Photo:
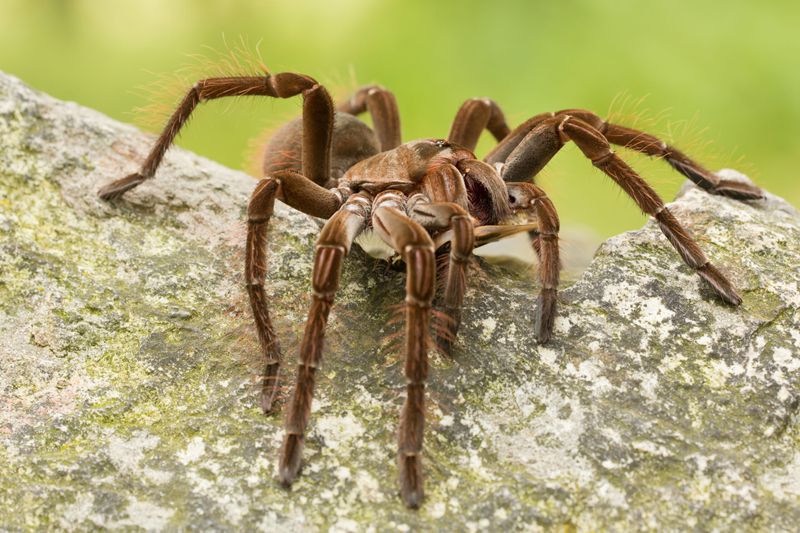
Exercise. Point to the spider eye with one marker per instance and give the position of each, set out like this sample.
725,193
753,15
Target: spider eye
441,143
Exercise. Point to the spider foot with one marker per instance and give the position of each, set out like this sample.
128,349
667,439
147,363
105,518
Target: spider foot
444,345
269,388
545,315
411,480
291,454
720,284
738,190
268,400
117,188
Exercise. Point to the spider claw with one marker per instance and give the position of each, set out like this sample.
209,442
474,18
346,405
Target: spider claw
117,188
545,315
720,284
268,401
291,454
738,190
445,346
413,499
269,388
411,480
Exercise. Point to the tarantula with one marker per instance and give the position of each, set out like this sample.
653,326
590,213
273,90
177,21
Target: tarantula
420,197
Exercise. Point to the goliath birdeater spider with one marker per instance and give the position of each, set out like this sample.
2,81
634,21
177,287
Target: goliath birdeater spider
420,197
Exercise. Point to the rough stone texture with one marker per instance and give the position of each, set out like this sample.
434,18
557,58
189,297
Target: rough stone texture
127,381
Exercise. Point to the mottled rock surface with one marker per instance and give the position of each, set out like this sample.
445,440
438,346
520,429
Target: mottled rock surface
127,377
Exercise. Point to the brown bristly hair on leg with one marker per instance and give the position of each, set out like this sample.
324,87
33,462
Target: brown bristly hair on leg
162,95
688,134
632,112
441,328
442,268
442,323
395,334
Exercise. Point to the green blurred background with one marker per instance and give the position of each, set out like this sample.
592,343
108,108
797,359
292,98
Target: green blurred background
719,79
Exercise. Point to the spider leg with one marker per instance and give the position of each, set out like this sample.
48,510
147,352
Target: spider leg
530,153
629,138
382,107
706,180
302,194
500,153
546,139
654,147
475,115
416,247
317,122
444,216
333,244
527,196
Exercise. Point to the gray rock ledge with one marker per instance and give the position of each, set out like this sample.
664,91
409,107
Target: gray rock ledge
127,368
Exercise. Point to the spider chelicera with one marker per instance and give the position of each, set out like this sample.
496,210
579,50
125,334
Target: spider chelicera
421,198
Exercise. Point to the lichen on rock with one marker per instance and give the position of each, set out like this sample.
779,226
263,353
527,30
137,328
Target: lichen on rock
128,364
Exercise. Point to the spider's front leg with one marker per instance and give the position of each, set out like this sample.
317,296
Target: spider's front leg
317,122
417,250
332,246
533,134
547,138
306,196
654,147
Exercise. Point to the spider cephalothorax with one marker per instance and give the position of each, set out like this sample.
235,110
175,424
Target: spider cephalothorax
418,197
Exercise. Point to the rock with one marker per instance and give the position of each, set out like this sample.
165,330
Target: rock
128,383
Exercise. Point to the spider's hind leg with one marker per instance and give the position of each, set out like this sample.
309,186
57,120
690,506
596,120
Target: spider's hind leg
475,115
382,107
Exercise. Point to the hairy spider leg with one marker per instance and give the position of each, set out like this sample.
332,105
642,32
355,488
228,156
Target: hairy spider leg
304,195
382,107
629,138
706,180
529,197
521,164
317,122
416,248
332,246
501,151
475,115
547,138
472,118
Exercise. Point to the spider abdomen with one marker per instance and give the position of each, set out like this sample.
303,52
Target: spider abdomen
352,141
